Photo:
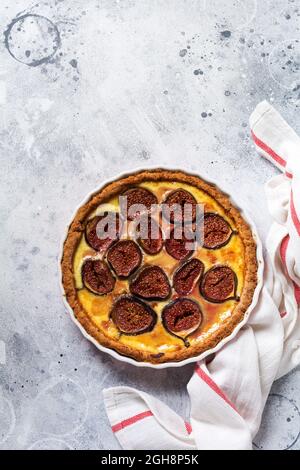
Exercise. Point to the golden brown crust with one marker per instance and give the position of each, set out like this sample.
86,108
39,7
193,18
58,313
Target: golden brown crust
77,228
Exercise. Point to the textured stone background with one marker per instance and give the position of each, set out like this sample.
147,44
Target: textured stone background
90,89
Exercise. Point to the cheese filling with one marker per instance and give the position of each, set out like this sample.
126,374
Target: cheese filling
159,340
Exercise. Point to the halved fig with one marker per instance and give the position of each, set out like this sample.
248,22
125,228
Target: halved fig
132,316
219,284
125,257
151,282
182,317
153,243
217,232
185,277
97,277
179,247
102,230
141,196
184,206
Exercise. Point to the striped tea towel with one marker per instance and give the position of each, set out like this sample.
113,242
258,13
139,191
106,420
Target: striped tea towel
228,394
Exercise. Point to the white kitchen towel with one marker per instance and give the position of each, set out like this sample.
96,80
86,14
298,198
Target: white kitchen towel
228,393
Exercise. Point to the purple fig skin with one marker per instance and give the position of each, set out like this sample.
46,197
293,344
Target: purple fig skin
125,257
97,277
132,316
186,275
151,283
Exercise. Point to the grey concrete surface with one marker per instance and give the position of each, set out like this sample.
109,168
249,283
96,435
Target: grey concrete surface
89,89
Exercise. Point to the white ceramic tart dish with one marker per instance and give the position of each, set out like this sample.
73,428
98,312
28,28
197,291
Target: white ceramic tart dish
161,302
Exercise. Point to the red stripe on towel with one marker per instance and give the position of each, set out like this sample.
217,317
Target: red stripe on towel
283,250
268,150
297,293
188,427
294,214
208,380
134,419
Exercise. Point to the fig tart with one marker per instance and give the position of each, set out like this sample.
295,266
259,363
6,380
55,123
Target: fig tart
160,296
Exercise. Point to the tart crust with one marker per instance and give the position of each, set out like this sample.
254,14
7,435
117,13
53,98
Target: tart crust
76,230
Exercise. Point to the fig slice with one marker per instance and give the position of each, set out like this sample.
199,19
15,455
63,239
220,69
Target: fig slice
219,284
97,277
132,316
152,283
185,277
97,228
181,318
141,196
182,200
124,257
217,232
178,247
154,241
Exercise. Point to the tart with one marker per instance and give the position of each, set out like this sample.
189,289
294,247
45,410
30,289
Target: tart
160,299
